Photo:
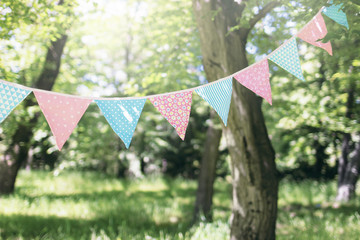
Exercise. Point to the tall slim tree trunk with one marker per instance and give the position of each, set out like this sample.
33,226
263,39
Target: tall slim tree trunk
348,174
17,152
349,161
207,174
255,183
320,158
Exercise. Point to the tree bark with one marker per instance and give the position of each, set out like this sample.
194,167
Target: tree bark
349,161
17,152
207,174
348,175
255,183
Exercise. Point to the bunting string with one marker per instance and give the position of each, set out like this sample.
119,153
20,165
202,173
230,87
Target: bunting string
63,111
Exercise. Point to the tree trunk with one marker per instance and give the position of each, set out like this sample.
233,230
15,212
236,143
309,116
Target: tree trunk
255,183
207,174
348,173
8,172
320,159
349,161
14,156
17,152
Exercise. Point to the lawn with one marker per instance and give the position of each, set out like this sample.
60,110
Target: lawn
88,205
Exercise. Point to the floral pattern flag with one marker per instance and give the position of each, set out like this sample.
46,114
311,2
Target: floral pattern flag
257,79
315,30
62,112
175,107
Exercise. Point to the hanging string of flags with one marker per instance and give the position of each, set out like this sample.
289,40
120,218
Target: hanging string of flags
63,112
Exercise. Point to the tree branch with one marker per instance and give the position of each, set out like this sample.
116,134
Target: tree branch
242,7
262,13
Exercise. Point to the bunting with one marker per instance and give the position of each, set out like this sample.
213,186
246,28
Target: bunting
10,97
218,95
335,13
175,107
62,113
287,57
315,30
257,79
122,115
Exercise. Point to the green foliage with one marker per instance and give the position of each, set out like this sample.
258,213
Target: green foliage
308,119
26,29
94,206
139,57
115,54
42,18
149,47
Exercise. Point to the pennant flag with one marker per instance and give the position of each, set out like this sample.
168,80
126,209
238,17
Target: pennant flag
122,115
10,97
175,107
257,79
335,13
287,57
315,30
62,113
218,95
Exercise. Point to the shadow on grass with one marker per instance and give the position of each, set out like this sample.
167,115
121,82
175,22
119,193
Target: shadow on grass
117,213
133,212
39,226
343,210
314,222
54,227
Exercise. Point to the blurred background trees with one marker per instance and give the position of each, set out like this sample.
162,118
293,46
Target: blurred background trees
142,47
316,125
18,148
137,48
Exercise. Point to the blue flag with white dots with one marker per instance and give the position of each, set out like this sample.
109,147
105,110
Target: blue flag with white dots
335,13
287,57
218,95
122,115
10,97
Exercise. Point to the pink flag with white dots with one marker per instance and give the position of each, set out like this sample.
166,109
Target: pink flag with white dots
175,107
315,30
62,113
257,79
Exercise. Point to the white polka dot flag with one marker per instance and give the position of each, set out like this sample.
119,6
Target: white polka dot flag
122,115
287,57
314,31
175,107
10,97
62,113
257,79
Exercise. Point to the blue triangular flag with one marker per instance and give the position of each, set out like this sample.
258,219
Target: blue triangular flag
10,101
122,115
335,13
218,95
287,57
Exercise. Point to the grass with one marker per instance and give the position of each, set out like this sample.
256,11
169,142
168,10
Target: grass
94,206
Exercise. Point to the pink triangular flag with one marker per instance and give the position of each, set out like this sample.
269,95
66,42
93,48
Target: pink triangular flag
315,30
175,107
257,79
62,113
